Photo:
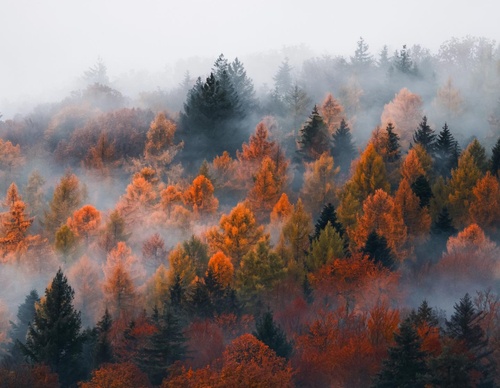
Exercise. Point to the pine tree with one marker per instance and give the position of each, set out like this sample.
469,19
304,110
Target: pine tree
403,63
362,57
326,248
343,150
103,351
392,147
495,158
243,86
406,366
273,335
424,314
164,347
425,136
422,190
377,250
177,295
313,136
446,152
328,214
54,336
478,153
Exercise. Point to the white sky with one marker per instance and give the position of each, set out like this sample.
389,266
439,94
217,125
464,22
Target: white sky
47,44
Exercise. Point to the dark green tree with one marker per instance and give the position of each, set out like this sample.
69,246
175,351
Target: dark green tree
243,86
392,152
377,250
54,337
495,159
103,350
313,139
328,214
422,190
164,347
465,328
198,251
425,136
406,365
200,302
362,58
424,314
343,150
446,152
478,153
443,226
273,335
177,294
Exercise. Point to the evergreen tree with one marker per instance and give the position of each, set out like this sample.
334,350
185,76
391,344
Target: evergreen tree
164,347
328,214
200,302
54,336
243,86
377,250
406,365
177,294
298,103
464,326
362,58
392,147
422,190
313,136
495,159
272,335
103,351
478,153
424,314
403,63
441,230
446,152
425,136
343,150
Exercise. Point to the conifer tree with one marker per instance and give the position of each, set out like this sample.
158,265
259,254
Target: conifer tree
103,351
377,250
327,247
441,230
313,139
392,152
328,214
270,333
343,150
495,159
422,190
478,153
406,366
425,136
54,336
446,152
243,86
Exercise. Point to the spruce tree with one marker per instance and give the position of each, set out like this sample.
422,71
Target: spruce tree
377,250
328,214
243,86
424,314
422,190
103,351
443,226
54,336
164,347
313,136
200,302
392,146
272,335
495,159
425,136
406,365
343,150
177,294
446,152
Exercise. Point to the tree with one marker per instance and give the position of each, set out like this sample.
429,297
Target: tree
495,159
200,195
271,334
392,148
283,80
282,209
328,215
84,222
422,190
54,336
446,152
485,207
267,187
406,365
298,103
377,250
343,150
425,136
296,231
243,86
319,185
333,113
114,232
403,63
68,196
328,246
362,58
222,269
66,243
479,155
313,139
449,100
154,252
238,233
15,226
415,217
97,74
34,195
164,347
124,374
412,168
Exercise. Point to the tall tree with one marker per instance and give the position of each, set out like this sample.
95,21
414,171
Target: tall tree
425,136
313,139
243,86
270,333
328,214
332,112
377,250
54,336
362,58
446,152
495,158
343,150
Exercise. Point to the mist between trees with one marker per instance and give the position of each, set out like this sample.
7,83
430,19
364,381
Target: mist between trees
313,231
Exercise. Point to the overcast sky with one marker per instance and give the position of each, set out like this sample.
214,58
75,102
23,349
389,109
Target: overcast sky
47,44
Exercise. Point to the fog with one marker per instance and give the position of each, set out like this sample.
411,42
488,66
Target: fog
46,46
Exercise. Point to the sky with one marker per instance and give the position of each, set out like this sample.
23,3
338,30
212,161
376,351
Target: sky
46,45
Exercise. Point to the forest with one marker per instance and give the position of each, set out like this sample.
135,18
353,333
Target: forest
336,228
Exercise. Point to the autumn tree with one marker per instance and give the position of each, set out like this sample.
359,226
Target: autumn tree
125,374
485,207
319,186
282,209
415,217
160,148
10,159
200,195
237,234
314,139
85,222
113,232
54,336
343,149
333,113
34,196
412,168
266,189
154,252
462,182
478,153
449,100
222,268
495,159
68,196
296,231
405,112
15,226
328,245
